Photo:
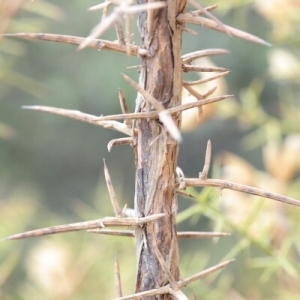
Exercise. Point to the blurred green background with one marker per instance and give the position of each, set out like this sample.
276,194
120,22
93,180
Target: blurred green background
51,168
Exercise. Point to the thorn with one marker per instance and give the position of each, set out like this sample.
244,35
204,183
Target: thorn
196,235
200,11
80,116
105,10
224,184
117,277
203,174
210,92
118,142
164,115
120,34
193,92
99,29
183,194
198,96
211,16
100,6
197,68
189,105
177,295
134,67
188,30
204,80
204,273
124,108
180,235
107,221
188,58
158,106
189,18
180,178
164,266
128,28
154,114
112,194
125,233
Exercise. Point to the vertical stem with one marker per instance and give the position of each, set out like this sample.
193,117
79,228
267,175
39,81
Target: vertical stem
155,151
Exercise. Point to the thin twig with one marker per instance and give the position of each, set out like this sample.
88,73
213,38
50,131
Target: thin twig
190,18
108,221
112,194
224,184
117,277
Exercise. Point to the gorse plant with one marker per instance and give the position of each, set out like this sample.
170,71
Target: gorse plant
153,130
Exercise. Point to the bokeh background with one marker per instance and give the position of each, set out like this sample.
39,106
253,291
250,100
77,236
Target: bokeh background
51,168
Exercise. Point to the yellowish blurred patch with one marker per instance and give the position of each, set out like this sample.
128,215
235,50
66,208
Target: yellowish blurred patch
283,14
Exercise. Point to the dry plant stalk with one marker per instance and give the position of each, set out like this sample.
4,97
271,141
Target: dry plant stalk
154,132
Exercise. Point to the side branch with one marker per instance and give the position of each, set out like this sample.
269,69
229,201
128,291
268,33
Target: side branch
80,116
180,235
108,121
224,184
100,223
98,44
190,18
168,290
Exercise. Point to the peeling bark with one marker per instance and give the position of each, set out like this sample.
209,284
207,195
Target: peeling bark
155,151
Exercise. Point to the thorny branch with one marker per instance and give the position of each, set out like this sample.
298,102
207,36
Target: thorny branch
177,19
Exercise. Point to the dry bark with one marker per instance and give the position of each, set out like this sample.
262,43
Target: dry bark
155,150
